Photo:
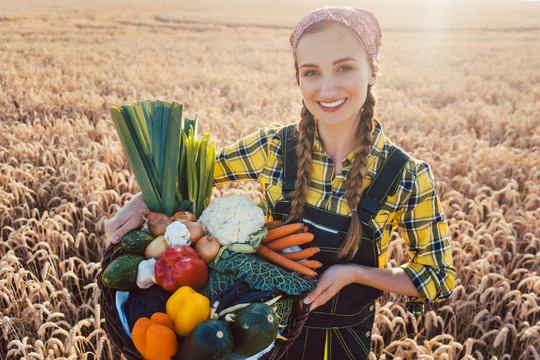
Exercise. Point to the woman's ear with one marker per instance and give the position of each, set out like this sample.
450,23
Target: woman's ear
372,73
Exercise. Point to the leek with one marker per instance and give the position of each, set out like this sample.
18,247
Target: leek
173,168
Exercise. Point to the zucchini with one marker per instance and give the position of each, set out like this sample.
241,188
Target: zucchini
210,340
254,328
122,272
136,242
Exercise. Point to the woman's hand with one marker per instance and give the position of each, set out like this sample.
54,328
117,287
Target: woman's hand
127,219
331,281
338,276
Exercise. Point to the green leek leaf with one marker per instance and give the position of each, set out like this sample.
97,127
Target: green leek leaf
174,169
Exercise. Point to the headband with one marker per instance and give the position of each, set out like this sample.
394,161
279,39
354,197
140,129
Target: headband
361,21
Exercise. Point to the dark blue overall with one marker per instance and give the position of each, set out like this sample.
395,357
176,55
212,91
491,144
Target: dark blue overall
343,325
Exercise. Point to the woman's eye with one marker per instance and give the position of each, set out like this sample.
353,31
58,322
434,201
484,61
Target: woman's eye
344,68
310,73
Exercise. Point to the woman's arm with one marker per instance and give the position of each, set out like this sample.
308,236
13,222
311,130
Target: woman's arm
424,229
429,275
248,158
338,276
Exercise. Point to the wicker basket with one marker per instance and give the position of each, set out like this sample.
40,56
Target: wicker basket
120,338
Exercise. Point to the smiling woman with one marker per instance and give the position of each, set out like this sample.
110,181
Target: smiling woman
334,73
337,172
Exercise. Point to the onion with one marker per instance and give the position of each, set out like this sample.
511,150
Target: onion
183,215
207,247
157,222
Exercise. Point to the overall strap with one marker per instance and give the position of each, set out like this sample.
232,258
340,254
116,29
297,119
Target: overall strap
385,183
374,197
289,143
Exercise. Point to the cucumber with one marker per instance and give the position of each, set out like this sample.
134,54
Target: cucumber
210,340
136,242
254,328
122,272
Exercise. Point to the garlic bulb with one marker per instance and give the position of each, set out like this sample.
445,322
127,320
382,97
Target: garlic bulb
177,234
146,274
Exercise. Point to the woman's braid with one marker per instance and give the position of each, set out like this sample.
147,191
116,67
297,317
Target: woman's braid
353,184
306,129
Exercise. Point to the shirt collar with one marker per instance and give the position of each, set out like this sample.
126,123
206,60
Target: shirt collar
317,145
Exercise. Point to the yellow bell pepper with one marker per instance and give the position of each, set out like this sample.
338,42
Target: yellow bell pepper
187,309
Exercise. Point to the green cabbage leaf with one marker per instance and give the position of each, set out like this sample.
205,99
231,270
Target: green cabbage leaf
261,275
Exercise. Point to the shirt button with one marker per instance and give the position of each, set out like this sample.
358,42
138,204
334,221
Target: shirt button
367,334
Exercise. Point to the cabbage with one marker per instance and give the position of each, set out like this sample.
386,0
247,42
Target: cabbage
260,275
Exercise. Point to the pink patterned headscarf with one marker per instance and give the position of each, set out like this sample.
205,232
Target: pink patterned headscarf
361,21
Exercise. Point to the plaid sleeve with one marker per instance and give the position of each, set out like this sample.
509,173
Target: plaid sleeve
247,158
422,222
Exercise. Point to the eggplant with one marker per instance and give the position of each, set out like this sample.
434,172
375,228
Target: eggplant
145,302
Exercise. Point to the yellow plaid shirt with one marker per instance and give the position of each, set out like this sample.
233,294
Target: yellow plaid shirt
414,207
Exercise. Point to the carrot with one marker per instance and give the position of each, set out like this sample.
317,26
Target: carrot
281,261
302,254
290,240
272,223
282,231
302,229
312,264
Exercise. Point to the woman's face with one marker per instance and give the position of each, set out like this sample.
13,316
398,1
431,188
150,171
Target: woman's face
334,73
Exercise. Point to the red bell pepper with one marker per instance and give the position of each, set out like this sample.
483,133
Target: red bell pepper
180,266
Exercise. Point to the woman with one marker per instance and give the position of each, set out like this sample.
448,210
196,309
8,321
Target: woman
336,172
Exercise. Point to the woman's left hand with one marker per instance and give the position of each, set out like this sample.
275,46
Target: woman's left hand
331,281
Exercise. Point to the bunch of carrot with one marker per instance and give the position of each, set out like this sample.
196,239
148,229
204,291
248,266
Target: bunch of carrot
280,237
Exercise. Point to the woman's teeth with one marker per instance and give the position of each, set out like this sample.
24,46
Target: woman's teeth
332,104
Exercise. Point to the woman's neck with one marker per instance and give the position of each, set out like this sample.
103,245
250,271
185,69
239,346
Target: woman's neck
337,142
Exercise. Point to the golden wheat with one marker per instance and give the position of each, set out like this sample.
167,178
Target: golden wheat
462,95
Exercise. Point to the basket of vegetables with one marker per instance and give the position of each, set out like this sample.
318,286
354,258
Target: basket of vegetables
201,280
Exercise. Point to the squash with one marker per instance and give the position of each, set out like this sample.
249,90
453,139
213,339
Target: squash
210,340
122,272
136,242
254,328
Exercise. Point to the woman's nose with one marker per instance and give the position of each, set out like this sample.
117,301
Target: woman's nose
328,87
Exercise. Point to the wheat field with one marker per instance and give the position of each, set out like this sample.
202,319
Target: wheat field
459,89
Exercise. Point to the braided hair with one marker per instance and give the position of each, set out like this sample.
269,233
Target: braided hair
306,130
353,183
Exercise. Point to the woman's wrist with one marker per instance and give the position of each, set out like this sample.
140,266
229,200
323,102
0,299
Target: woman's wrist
138,200
357,273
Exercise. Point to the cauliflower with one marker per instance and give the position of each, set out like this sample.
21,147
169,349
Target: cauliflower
232,220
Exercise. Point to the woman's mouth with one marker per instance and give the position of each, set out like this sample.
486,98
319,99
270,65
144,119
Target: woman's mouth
332,106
